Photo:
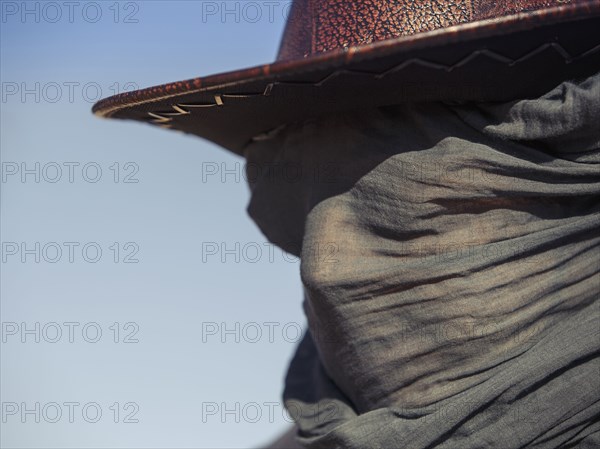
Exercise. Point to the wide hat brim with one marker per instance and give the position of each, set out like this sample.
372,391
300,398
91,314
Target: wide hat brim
517,56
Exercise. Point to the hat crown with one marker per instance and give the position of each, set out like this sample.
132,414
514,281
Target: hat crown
318,26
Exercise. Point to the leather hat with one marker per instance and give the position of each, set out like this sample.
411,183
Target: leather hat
338,55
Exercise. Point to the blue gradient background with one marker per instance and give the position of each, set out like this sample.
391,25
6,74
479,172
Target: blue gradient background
168,213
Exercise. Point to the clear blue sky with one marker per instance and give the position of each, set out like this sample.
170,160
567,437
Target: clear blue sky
184,386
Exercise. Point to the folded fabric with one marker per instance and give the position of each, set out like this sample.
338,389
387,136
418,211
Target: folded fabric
450,259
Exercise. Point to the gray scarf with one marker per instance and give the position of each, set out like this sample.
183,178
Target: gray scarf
449,254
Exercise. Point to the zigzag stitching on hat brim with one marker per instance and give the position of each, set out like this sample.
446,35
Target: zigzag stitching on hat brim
164,118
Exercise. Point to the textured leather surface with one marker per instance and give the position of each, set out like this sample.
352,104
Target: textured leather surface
317,26
487,9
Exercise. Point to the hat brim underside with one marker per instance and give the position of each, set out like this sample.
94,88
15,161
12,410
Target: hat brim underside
517,56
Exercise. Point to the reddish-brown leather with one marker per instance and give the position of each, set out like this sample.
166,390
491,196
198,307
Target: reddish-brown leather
317,26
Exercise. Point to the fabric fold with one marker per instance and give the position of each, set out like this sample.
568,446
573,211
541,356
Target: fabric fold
450,261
